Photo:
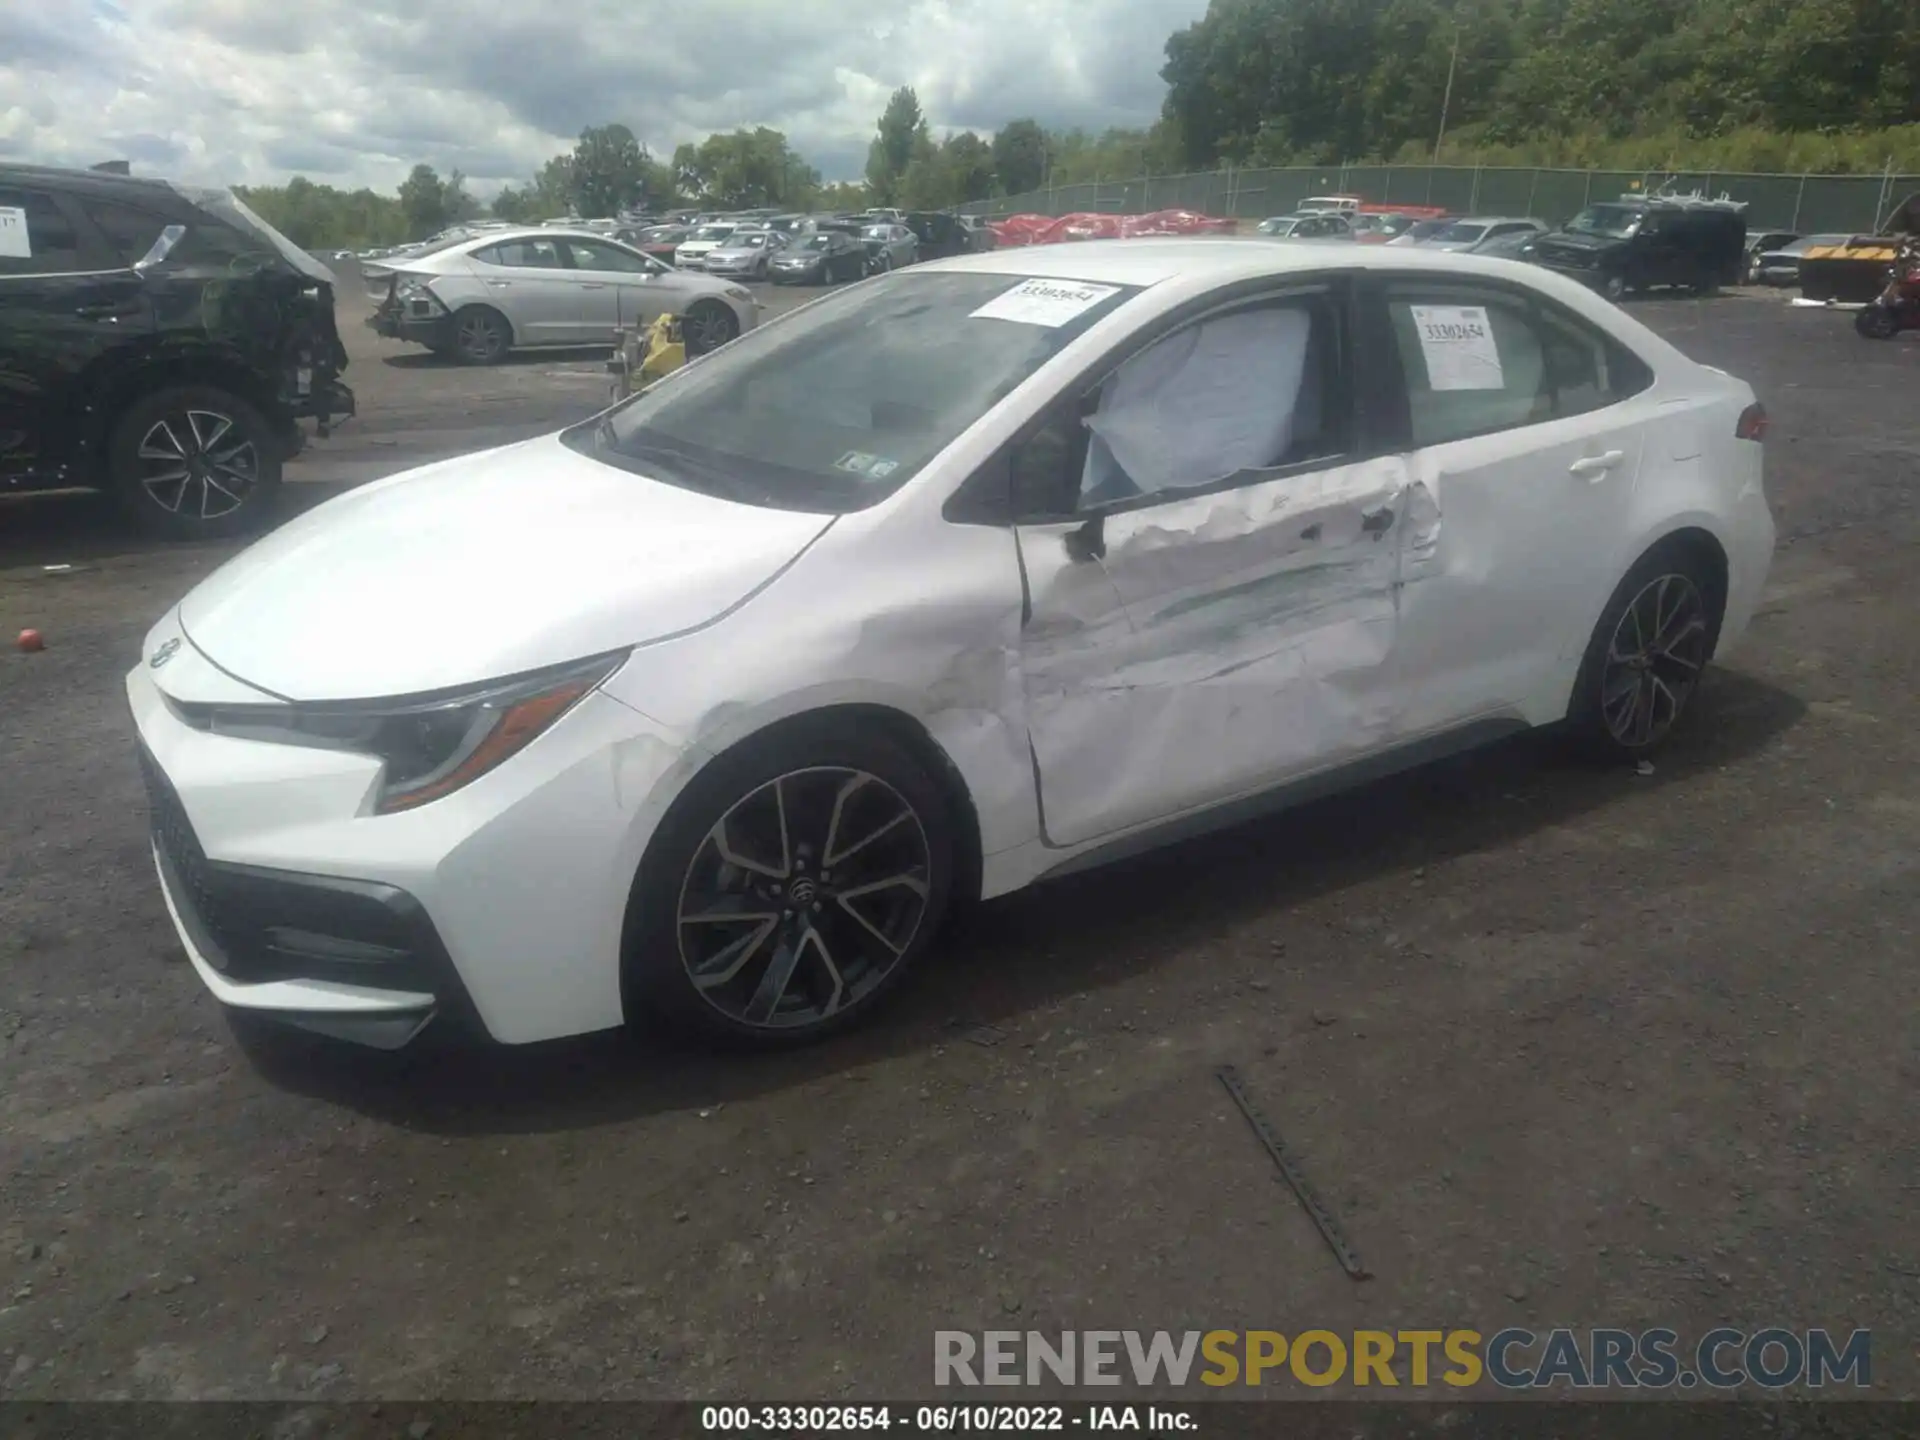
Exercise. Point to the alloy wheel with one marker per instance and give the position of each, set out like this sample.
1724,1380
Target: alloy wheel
712,326
803,898
478,337
198,462
1654,660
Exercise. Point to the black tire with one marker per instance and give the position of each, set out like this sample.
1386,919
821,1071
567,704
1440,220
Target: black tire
481,335
1615,288
1705,286
707,326
1656,636
1876,322
228,476
842,963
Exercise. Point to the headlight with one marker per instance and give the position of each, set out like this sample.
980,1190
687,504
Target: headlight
429,746
739,292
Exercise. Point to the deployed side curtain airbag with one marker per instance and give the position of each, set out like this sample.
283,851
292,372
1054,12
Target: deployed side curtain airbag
1210,401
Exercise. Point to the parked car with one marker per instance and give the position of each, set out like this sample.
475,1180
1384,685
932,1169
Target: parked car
1640,243
691,253
1378,229
1325,225
1516,245
725,696
1470,235
939,233
890,246
159,342
1421,232
479,300
980,236
819,259
1764,242
1780,264
745,253
1329,205
662,241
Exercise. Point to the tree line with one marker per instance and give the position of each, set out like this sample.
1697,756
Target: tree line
1829,86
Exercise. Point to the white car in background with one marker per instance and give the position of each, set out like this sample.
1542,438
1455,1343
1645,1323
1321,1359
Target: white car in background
691,253
982,571
480,298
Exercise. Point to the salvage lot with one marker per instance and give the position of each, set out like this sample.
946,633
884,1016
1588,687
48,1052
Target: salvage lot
1561,1047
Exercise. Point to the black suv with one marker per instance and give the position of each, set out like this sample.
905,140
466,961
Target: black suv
1643,243
940,234
159,342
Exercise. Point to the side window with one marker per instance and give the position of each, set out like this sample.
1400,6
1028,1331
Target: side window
1241,392
1479,363
129,231
531,254
37,238
1473,363
589,256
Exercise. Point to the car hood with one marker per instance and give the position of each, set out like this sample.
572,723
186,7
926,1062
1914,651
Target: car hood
1573,240
480,567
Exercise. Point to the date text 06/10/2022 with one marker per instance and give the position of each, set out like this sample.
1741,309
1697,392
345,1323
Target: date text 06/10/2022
944,1419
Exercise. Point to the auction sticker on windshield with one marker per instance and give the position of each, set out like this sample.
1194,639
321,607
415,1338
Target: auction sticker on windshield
1044,302
14,243
1457,341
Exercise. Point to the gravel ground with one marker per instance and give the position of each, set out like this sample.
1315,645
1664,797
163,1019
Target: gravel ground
1561,1047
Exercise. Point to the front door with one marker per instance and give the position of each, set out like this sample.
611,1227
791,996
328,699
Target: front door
1524,447
615,281
65,300
1216,613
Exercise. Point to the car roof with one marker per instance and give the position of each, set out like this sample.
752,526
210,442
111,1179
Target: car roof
100,182
1215,260
1493,220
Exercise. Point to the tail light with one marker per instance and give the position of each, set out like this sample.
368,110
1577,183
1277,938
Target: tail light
1753,423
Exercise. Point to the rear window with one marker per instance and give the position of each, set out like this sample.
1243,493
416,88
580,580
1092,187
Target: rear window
36,237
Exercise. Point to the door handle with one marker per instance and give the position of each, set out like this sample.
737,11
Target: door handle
1593,467
499,284
104,311
593,284
1377,522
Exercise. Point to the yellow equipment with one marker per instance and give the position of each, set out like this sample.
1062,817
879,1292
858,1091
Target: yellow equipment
645,355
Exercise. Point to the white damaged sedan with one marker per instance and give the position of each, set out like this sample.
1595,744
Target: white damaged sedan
969,575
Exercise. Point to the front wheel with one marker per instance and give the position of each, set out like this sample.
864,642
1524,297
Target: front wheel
1615,288
790,888
708,326
1646,656
194,463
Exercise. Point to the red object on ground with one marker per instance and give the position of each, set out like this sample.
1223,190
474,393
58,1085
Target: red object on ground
1088,225
31,642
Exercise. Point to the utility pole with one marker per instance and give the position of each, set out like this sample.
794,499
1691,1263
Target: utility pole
1446,101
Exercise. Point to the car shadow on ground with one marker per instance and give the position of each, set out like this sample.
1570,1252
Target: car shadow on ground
428,360
1061,938
84,527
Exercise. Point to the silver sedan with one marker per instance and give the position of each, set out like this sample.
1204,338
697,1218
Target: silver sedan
889,246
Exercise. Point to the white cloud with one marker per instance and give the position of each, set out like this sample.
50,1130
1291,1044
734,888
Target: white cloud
252,91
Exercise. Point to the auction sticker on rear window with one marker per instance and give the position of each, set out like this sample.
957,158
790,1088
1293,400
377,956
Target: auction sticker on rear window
1457,341
14,244
1044,302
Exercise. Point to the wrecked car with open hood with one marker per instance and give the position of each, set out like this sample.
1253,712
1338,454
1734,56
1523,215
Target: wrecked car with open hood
983,571
161,342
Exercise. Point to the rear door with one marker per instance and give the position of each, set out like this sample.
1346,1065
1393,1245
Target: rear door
67,300
530,281
1212,602
622,278
1523,430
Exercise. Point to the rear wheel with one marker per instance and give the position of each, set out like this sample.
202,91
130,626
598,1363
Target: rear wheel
1615,288
194,463
1876,322
791,887
1647,654
481,336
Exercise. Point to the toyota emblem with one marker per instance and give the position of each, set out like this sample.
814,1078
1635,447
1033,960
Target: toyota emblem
164,653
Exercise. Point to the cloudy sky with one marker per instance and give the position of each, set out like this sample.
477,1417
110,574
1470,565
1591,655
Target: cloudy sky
354,92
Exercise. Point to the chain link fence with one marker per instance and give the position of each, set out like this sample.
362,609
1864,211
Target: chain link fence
1807,204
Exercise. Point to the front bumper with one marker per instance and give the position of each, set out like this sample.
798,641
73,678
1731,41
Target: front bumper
498,909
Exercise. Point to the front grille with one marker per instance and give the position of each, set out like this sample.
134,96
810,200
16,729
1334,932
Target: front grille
173,833
1565,256
256,925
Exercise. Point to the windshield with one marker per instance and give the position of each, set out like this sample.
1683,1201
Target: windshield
879,232
814,242
1279,227
1609,222
1460,234
747,242
835,406
713,232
